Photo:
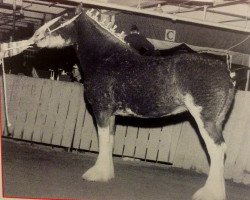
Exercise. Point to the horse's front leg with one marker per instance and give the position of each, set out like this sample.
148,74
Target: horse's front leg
103,170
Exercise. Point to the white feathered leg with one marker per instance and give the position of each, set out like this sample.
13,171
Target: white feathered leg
214,188
103,170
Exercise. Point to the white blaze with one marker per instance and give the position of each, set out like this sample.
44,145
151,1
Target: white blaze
54,42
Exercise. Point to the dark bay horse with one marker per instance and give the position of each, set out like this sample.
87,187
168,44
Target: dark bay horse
119,81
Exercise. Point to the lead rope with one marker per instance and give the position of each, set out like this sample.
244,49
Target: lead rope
5,81
5,95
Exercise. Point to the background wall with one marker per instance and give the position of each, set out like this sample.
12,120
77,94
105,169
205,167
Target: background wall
201,37
55,113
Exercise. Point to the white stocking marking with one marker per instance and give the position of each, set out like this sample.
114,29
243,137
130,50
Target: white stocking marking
214,189
103,170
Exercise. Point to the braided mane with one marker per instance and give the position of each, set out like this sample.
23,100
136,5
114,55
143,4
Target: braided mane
94,15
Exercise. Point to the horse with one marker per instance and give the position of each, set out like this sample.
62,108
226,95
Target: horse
120,81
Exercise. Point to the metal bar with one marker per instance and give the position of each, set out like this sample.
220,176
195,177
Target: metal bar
150,4
178,10
8,27
66,2
157,14
18,8
54,4
209,9
12,20
228,14
25,18
41,12
230,3
10,23
18,24
232,20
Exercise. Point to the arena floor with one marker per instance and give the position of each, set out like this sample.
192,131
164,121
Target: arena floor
42,172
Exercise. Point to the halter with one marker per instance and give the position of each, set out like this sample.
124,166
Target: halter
47,26
63,24
26,44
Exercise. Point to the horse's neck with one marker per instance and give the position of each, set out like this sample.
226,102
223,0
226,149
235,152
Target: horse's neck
95,44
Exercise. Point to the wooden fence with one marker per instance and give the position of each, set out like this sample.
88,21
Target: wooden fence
54,112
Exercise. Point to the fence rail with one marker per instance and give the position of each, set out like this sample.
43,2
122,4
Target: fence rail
55,113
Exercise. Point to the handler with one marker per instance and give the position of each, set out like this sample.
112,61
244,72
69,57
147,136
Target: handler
139,42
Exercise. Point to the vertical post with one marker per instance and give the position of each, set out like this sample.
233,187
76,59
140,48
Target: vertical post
247,83
248,74
14,20
5,95
205,12
248,8
139,4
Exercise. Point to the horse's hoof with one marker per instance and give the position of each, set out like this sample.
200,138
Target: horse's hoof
97,173
205,193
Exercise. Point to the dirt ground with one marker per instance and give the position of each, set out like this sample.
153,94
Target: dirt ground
44,172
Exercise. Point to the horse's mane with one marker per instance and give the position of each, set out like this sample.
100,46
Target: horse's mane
106,28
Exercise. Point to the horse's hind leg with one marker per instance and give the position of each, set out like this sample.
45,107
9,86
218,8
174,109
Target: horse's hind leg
103,170
210,129
214,188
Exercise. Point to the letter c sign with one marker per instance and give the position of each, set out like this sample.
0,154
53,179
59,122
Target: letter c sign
170,35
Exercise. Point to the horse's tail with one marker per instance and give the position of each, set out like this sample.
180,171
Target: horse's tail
225,109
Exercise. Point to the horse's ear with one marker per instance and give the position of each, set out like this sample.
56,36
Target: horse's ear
79,9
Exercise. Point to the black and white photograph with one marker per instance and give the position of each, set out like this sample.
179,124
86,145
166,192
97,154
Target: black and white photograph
125,100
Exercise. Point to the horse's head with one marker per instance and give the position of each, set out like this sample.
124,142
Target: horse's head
59,32
93,32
